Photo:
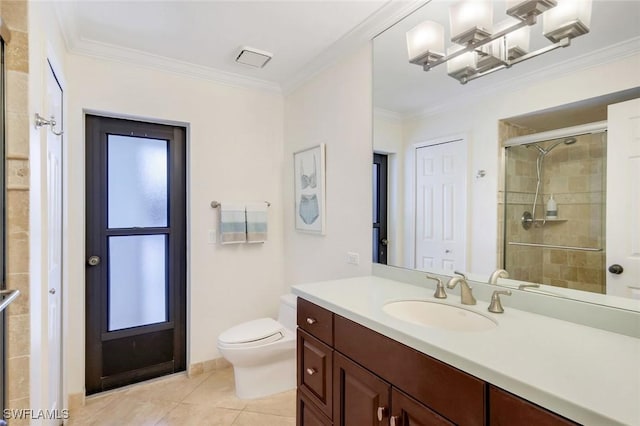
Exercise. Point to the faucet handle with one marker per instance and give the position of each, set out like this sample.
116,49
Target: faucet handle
496,305
461,274
440,293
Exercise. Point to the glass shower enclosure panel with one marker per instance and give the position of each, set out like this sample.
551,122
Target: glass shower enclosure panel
568,249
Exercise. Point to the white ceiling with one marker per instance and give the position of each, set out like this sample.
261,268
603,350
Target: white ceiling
405,89
205,36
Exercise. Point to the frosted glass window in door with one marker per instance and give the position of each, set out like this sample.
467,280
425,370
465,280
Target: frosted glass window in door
137,182
137,281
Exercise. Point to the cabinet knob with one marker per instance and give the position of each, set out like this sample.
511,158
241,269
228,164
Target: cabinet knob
311,321
382,413
394,421
311,371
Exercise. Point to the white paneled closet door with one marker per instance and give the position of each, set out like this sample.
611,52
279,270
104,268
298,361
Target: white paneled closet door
441,194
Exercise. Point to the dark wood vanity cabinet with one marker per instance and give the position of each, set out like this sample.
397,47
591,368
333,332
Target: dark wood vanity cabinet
350,375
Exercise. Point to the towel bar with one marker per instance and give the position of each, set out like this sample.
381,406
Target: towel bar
216,204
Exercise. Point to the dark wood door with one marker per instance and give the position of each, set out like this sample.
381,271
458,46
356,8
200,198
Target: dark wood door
380,189
360,397
406,411
507,409
136,251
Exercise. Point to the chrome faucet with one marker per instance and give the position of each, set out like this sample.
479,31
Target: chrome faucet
498,273
466,296
440,293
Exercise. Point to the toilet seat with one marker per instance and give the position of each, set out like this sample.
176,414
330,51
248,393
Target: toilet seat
252,333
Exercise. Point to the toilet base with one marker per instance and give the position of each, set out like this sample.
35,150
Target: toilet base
264,380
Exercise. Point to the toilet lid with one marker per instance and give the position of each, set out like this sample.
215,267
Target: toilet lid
251,331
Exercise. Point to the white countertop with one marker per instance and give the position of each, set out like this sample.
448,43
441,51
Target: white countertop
586,374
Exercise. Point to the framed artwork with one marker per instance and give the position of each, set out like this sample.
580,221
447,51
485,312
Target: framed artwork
308,172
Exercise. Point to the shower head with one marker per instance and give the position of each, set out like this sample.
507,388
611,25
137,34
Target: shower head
543,151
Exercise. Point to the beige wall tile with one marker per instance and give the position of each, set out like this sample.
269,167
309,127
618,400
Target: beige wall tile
17,52
18,173
19,404
17,130
17,212
19,335
15,15
21,304
18,378
18,253
16,96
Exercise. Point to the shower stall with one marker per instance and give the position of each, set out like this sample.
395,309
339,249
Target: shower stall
566,247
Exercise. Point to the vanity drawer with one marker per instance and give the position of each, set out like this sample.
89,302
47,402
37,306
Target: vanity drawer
308,415
315,320
507,409
448,391
315,371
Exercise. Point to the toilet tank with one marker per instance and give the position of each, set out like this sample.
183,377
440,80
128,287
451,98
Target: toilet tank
287,312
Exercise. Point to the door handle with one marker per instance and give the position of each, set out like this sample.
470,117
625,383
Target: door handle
616,269
52,291
93,260
384,241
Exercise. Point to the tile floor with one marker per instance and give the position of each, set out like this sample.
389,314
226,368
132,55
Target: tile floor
207,399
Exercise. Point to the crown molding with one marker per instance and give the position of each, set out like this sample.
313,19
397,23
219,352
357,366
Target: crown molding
386,16
91,48
388,114
598,57
106,51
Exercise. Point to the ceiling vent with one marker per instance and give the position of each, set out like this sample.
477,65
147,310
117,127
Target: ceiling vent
253,57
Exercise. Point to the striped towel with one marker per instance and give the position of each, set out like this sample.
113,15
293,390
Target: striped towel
257,222
233,223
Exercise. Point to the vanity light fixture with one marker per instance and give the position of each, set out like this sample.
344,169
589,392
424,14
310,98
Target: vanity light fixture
253,57
481,48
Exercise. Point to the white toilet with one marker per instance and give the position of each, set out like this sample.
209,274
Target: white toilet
263,352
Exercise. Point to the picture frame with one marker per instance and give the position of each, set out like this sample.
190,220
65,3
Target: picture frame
310,189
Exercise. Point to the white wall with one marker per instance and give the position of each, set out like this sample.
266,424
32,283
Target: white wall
45,42
332,108
235,152
478,122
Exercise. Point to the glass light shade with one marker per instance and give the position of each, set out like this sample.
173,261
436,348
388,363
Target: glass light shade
517,41
491,55
470,20
425,42
570,18
463,66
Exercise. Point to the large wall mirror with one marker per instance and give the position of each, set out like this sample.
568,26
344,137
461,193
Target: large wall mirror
494,160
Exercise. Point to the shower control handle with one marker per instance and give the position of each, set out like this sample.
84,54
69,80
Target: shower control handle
616,269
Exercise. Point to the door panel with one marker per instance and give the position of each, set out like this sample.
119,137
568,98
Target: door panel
623,198
441,206
360,398
380,208
136,232
54,243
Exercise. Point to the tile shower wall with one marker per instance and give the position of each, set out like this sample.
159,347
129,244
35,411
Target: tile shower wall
575,175
14,14
523,263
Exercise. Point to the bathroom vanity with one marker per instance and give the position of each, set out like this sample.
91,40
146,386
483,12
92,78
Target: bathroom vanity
358,365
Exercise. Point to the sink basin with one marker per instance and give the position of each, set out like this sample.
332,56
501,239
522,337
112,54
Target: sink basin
439,315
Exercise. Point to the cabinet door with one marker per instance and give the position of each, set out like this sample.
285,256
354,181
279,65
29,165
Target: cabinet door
506,409
308,414
360,398
315,371
406,411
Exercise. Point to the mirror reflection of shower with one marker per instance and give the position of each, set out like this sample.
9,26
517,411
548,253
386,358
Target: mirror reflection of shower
566,248
529,217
